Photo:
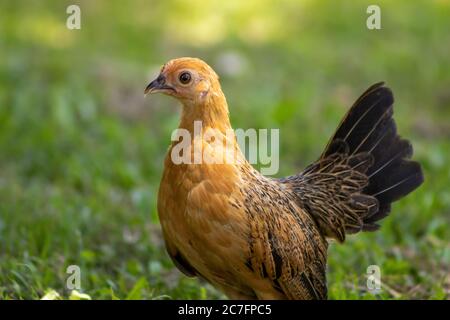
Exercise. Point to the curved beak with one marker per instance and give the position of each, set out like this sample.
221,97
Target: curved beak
158,85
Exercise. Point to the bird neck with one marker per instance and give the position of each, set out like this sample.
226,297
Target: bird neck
212,111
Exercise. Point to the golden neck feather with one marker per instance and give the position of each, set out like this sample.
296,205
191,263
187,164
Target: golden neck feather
212,111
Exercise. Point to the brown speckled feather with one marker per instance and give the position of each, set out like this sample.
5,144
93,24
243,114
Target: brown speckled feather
364,168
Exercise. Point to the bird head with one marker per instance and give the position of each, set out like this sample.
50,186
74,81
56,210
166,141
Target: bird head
189,80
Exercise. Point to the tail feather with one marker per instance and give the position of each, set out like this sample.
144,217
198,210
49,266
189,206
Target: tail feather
364,168
369,128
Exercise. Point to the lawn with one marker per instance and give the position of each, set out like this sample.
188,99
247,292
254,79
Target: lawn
81,150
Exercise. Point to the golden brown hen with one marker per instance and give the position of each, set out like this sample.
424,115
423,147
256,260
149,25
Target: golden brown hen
256,237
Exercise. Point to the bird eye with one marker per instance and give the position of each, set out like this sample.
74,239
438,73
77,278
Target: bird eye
185,77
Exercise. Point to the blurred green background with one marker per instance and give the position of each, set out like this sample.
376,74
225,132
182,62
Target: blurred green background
81,150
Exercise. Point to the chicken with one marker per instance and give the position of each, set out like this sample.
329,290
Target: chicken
257,237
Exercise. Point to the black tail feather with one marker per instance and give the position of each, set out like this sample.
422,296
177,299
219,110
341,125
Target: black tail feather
369,128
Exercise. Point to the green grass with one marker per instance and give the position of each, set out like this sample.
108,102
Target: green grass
81,150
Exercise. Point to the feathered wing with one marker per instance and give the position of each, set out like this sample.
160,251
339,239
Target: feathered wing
364,168
285,246
287,252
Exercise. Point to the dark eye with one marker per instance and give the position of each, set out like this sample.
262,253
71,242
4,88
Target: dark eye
185,77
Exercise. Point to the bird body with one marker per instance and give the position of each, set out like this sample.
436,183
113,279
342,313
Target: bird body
256,237
218,226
